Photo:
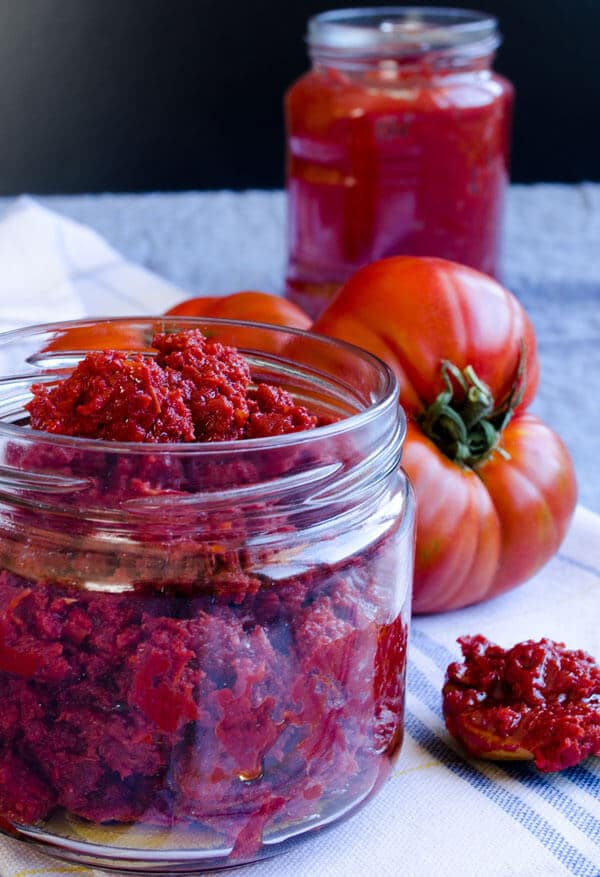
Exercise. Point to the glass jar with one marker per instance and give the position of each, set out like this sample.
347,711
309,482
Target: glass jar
202,646
397,144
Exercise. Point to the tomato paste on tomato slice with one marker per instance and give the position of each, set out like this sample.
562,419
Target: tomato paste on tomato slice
537,700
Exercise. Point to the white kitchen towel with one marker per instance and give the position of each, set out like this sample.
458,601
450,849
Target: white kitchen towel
53,268
440,813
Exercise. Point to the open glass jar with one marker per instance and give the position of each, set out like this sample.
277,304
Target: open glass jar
202,646
397,144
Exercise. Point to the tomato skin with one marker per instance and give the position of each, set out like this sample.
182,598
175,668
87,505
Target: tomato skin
414,312
98,335
249,305
458,530
193,307
534,493
485,529
481,532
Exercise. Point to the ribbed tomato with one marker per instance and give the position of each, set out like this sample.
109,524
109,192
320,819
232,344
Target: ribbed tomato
495,486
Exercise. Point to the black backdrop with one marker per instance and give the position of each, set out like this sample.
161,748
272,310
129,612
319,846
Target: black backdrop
133,95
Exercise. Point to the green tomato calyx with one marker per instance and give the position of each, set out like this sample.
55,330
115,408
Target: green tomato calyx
464,421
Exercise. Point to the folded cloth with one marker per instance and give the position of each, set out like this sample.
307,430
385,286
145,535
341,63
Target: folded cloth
56,269
440,813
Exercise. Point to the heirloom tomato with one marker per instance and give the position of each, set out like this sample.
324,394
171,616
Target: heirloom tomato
495,486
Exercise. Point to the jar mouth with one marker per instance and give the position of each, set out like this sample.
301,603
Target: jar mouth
399,31
48,365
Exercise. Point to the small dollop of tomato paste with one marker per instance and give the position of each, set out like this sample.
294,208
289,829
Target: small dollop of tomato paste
195,389
537,700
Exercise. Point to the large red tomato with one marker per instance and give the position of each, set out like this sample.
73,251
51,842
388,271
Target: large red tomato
495,486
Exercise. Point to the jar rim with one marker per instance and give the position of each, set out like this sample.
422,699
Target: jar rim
402,30
387,396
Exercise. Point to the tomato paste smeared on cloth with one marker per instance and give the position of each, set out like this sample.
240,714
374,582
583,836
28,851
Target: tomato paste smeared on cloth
537,700
230,700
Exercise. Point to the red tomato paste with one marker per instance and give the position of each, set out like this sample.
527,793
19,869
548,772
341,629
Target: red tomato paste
405,159
195,390
536,700
231,699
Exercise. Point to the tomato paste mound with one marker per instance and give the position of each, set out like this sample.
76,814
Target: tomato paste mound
184,676
194,390
536,700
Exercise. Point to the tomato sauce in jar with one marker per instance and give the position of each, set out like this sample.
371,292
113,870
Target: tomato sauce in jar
398,141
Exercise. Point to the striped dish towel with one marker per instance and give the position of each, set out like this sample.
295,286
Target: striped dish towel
440,813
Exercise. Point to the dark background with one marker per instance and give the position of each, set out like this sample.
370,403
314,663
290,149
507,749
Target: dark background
134,95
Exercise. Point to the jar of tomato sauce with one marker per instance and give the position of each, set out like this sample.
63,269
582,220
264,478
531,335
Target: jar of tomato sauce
397,143
202,643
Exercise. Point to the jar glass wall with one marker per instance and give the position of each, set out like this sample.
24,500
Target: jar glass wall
202,646
397,144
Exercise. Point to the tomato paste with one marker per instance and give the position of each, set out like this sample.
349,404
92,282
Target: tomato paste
537,700
240,697
404,152
194,390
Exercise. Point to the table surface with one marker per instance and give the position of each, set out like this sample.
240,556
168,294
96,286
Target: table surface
218,242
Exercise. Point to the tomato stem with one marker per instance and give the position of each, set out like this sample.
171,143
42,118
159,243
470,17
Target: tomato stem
464,421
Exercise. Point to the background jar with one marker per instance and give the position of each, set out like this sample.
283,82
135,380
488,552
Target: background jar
203,646
397,143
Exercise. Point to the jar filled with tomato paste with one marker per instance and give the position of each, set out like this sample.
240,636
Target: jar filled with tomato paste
202,643
397,144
